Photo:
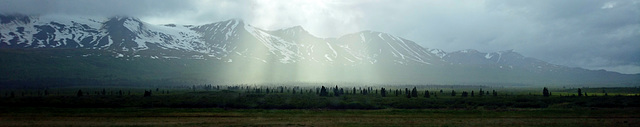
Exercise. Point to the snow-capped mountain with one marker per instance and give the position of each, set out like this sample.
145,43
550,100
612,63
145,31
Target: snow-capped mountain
116,33
224,40
507,59
293,49
233,39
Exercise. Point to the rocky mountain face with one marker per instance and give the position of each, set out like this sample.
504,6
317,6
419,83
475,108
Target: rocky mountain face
221,40
234,41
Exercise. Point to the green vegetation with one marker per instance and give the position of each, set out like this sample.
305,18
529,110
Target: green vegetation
244,105
99,91
260,117
284,97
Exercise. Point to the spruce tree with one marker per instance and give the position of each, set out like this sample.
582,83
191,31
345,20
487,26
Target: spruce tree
426,94
579,92
545,92
336,92
79,94
147,93
323,91
406,90
414,92
354,90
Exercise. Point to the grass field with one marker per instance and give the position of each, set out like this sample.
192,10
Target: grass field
106,106
258,98
307,117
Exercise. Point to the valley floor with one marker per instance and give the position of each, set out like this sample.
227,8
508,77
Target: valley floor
14,116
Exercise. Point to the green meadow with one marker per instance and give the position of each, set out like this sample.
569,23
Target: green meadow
206,105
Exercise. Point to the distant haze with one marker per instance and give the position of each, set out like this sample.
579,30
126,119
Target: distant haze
592,34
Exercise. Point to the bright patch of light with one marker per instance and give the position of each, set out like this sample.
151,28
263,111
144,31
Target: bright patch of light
324,18
608,5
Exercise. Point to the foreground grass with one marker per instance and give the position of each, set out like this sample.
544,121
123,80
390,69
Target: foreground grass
41,116
182,107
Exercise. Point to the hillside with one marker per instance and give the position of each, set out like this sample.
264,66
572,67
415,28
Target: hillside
63,50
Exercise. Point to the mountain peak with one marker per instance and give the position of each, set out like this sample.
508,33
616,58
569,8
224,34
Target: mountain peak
234,20
375,34
506,51
293,31
469,51
380,35
297,28
370,32
18,18
130,23
511,53
124,18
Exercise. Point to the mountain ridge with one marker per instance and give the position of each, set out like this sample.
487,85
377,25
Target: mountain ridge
234,41
215,36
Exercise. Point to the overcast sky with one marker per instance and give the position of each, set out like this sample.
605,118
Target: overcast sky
592,34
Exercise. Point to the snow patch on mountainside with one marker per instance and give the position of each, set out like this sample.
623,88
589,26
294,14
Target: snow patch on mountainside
488,56
438,52
179,37
274,44
221,40
50,28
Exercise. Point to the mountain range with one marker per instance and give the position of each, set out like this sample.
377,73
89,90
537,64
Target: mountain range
126,50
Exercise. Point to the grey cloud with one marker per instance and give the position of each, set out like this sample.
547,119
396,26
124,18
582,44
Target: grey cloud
579,33
571,33
96,7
